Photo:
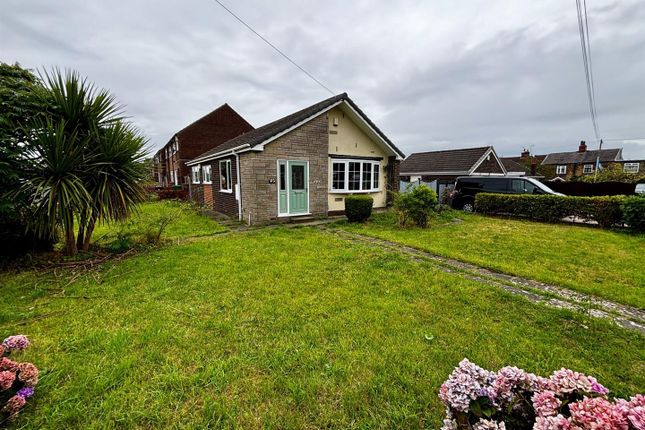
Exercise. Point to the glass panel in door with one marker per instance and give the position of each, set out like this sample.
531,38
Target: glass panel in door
283,207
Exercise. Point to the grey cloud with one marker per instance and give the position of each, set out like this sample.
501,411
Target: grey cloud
431,74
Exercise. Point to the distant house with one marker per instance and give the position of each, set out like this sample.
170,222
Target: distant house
583,162
206,133
301,165
441,168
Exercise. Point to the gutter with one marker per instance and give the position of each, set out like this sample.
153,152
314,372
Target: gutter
217,155
239,185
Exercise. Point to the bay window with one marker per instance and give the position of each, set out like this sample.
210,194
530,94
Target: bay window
355,175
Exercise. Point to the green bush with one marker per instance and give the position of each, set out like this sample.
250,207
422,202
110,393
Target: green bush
358,207
415,204
634,212
605,210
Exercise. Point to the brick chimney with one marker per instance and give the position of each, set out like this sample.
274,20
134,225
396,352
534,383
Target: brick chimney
525,153
582,147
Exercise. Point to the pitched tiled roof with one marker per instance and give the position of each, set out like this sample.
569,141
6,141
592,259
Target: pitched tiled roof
453,160
583,157
261,134
512,166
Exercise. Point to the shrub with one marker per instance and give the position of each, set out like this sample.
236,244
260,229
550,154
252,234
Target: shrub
415,204
634,212
511,398
358,207
172,193
606,210
17,380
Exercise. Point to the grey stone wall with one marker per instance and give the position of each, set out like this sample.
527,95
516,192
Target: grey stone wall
259,176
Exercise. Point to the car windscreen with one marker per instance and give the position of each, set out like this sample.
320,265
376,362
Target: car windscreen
541,186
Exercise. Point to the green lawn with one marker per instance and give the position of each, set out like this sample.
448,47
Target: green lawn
282,328
186,221
605,263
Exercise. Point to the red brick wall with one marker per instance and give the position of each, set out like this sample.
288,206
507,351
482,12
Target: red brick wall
203,135
224,202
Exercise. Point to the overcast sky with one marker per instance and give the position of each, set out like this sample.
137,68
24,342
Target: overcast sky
431,74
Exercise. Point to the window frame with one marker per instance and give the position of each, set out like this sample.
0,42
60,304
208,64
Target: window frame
227,164
561,169
584,168
195,172
207,168
632,164
374,176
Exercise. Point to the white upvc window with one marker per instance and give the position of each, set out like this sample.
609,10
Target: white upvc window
561,169
631,167
206,174
225,177
355,176
195,174
587,168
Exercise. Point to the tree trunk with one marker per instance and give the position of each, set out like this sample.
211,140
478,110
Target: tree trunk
70,242
88,232
81,233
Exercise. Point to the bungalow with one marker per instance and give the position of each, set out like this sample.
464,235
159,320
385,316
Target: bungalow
301,165
441,168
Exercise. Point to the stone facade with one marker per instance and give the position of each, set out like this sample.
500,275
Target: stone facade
259,176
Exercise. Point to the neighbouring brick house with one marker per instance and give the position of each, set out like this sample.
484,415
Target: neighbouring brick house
567,165
206,133
298,166
441,168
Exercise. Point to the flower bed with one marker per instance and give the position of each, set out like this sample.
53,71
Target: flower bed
511,398
17,380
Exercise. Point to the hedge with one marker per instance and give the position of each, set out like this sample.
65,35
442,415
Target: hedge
358,207
606,210
634,213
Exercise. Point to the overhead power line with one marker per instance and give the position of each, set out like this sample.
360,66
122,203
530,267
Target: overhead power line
585,45
264,39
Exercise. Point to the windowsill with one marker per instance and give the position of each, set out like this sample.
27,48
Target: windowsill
292,215
207,183
226,191
354,191
197,183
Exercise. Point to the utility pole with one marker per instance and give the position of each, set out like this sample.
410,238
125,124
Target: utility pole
595,173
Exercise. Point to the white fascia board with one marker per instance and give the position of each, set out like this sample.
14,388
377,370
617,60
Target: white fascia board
221,154
490,150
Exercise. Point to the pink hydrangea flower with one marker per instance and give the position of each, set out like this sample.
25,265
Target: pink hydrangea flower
546,404
489,425
7,378
14,405
17,342
510,379
8,364
557,422
567,381
596,413
449,424
465,383
28,373
633,411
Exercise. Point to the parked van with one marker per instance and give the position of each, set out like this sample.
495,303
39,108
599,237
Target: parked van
467,187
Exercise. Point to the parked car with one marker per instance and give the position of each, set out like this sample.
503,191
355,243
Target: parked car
640,189
467,187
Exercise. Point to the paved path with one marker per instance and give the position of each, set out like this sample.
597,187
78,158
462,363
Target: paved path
558,297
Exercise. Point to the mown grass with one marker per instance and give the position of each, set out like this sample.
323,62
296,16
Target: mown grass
285,329
186,221
605,263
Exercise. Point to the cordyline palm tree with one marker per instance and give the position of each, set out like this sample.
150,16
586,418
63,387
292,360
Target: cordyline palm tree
87,167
